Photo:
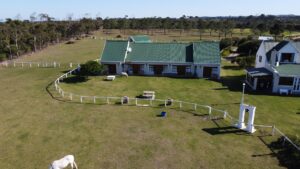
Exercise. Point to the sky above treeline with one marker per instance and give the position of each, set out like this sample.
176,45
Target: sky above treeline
60,9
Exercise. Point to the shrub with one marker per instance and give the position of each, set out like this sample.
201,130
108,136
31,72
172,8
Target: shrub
2,57
246,61
91,68
249,47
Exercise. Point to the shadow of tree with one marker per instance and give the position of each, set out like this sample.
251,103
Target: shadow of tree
287,155
75,79
232,67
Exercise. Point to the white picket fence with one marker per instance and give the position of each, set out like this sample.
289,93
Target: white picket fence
150,102
45,64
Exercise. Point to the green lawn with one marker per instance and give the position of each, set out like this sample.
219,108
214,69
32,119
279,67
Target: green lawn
37,126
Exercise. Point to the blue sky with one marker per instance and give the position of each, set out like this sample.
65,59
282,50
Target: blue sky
147,8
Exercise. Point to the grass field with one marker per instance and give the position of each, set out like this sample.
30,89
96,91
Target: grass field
37,127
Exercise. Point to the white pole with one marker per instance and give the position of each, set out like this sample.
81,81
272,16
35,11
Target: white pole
80,99
107,100
180,105
195,107
71,96
94,99
136,101
242,101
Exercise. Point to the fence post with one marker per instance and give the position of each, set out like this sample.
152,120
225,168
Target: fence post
14,64
273,130
225,115
136,101
58,64
63,94
38,64
122,101
180,105
94,99
165,103
81,99
195,107
209,110
54,64
71,96
107,100
71,65
30,64
22,64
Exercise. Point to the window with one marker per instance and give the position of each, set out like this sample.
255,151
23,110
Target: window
188,69
174,69
286,81
260,59
287,57
151,68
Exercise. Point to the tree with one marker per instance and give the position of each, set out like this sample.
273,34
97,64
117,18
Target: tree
262,27
277,29
91,68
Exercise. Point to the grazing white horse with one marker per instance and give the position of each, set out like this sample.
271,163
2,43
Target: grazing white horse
124,74
63,163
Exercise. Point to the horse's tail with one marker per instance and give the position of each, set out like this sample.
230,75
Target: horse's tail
75,164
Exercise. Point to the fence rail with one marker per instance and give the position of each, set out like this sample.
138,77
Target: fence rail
45,64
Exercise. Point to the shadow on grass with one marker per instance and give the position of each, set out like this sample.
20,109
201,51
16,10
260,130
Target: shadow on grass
222,130
75,79
286,154
232,68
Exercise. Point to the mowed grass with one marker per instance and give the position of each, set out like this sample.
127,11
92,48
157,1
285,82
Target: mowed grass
37,126
37,129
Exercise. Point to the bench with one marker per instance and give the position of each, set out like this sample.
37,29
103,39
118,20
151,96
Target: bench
284,91
110,78
149,94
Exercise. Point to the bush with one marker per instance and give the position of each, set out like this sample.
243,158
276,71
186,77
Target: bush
249,47
246,61
2,57
91,68
224,43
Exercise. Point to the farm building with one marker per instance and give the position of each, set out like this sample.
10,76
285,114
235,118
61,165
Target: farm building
140,56
277,68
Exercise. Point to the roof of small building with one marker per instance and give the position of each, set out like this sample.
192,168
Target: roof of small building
288,70
140,39
259,72
114,51
172,52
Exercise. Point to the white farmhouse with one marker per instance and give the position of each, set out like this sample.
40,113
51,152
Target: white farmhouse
277,68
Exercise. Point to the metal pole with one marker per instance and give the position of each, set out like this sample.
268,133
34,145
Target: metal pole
242,101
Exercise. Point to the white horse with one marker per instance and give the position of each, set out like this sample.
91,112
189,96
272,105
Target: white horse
124,74
63,163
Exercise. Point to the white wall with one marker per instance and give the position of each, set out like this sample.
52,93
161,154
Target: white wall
261,52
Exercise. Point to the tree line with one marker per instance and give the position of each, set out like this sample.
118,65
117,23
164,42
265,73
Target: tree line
20,37
223,25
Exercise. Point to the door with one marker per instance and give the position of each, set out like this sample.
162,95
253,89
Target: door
136,69
181,70
112,69
158,69
207,71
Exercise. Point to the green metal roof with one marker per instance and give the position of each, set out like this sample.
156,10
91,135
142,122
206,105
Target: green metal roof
159,52
140,39
206,52
288,70
114,51
173,52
